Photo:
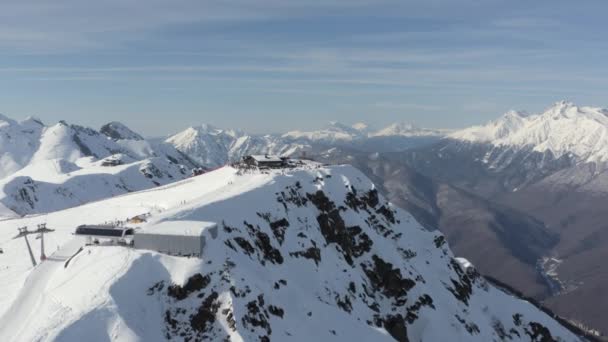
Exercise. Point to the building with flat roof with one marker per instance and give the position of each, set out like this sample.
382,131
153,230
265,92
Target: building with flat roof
180,238
265,161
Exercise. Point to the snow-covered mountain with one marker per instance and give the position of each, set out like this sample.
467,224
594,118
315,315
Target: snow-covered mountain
337,132
402,129
552,166
19,140
565,147
118,131
315,253
215,147
564,129
332,133
44,168
47,168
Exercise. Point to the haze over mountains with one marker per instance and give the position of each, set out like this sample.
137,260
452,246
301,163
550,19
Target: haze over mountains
522,196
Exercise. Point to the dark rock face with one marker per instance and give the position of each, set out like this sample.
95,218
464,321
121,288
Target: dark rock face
388,280
292,195
395,325
118,131
312,253
277,226
245,245
195,283
257,315
269,252
470,327
538,332
463,286
412,311
352,240
205,316
27,191
80,132
507,243
340,240
275,310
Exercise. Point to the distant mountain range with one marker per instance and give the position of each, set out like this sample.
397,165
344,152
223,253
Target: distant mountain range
213,146
564,130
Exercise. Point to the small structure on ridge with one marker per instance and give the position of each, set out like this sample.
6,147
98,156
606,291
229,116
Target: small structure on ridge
265,161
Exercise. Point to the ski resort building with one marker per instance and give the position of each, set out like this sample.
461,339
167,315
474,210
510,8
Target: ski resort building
95,233
180,238
265,161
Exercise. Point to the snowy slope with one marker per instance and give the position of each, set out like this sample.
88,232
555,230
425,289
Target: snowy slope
46,168
563,129
72,142
309,254
18,143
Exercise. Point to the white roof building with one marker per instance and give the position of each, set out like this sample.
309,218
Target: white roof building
181,238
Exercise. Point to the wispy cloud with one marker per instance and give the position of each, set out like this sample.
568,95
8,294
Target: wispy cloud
40,26
305,56
408,106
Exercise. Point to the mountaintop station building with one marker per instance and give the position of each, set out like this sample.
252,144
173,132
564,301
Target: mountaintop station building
180,238
265,161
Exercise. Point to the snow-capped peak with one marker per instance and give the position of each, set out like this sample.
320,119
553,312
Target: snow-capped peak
5,120
45,168
333,132
206,128
361,126
118,131
399,128
31,120
214,147
340,127
564,128
404,129
561,106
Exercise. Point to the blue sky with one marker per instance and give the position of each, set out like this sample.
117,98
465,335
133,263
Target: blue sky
270,65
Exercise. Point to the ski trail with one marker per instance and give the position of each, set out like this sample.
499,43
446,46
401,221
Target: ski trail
15,319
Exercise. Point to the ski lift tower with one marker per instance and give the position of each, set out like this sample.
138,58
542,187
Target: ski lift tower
41,229
24,232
